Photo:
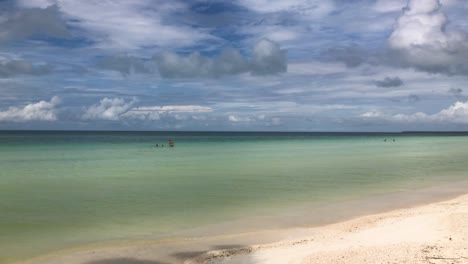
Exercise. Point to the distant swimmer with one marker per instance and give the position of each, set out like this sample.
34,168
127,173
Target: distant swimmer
157,145
385,140
393,140
171,143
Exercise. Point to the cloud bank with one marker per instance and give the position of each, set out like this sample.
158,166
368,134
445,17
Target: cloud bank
456,114
41,111
267,58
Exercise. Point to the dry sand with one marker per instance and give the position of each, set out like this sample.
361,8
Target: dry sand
432,233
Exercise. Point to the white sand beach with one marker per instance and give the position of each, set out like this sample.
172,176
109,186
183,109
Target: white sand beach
431,233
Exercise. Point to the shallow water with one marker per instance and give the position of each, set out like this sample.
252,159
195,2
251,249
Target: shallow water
63,189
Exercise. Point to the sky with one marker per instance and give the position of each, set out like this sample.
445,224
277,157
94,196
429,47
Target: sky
240,65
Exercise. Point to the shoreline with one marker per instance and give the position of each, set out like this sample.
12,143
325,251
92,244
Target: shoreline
207,248
431,233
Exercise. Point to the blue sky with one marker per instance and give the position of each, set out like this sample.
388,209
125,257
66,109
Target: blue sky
243,65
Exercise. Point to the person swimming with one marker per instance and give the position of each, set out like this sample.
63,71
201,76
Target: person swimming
171,143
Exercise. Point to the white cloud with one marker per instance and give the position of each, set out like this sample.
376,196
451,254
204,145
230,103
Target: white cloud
152,113
115,109
267,58
280,35
108,109
310,8
41,111
175,108
237,118
122,24
384,6
456,113
316,68
141,115
422,39
262,120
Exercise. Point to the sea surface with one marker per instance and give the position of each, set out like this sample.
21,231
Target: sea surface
60,190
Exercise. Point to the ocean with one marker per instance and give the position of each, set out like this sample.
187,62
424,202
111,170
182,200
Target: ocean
60,190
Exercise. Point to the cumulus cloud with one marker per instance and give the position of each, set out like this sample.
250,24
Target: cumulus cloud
10,68
34,22
108,109
229,62
456,114
389,82
267,58
124,64
41,111
423,41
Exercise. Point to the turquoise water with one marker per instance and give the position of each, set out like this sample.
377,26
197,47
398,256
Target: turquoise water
61,190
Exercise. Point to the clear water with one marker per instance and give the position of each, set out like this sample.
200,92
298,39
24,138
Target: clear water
63,189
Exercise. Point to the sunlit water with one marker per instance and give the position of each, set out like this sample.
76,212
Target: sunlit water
60,190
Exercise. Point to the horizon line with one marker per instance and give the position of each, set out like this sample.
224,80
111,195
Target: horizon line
234,131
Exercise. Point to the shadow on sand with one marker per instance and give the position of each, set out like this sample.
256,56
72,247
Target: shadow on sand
125,261
180,257
186,255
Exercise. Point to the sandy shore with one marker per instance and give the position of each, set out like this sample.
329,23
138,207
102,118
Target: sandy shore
432,233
